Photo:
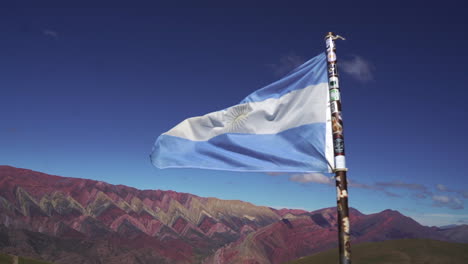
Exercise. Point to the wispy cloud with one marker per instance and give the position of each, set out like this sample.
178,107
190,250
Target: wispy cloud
403,185
374,187
354,184
286,64
311,177
50,33
420,195
276,173
438,219
447,201
322,179
358,68
448,215
391,189
464,194
441,187
391,194
419,191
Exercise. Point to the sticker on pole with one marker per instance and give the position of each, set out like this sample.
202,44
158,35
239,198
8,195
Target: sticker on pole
332,71
333,82
331,56
334,95
337,125
334,107
339,146
330,44
340,162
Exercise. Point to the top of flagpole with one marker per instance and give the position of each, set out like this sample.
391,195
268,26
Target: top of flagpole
333,36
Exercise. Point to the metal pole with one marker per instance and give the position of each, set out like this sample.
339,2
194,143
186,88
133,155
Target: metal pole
338,146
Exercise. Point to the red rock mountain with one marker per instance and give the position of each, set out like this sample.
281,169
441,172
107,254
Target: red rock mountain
71,220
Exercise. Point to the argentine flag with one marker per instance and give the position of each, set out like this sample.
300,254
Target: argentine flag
283,127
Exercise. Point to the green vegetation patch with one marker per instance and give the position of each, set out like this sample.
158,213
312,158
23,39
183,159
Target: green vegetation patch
5,259
405,251
23,260
9,259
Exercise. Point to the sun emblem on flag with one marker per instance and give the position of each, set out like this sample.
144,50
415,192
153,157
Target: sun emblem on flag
236,117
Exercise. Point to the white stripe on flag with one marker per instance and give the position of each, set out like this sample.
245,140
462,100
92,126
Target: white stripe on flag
271,116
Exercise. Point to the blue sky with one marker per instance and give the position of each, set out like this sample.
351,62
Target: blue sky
86,91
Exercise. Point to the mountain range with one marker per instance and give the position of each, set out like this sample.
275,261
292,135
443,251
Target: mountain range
72,220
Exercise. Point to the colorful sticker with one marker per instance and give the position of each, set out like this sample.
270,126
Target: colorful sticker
339,146
333,82
337,125
331,56
332,71
334,107
334,95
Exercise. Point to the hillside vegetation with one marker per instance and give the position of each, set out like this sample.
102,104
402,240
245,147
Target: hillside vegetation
404,251
9,259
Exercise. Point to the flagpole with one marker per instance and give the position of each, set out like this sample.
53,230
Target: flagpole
339,153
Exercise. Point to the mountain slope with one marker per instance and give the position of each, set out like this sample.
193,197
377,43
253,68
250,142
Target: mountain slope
316,231
407,251
456,233
76,250
181,227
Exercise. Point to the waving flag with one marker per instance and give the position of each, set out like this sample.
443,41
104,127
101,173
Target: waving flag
283,127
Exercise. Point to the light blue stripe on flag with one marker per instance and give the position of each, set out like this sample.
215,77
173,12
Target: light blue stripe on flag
283,127
294,150
312,72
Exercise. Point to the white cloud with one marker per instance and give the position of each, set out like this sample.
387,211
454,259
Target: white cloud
444,188
311,177
276,173
358,68
441,187
447,201
403,185
448,215
50,33
441,198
